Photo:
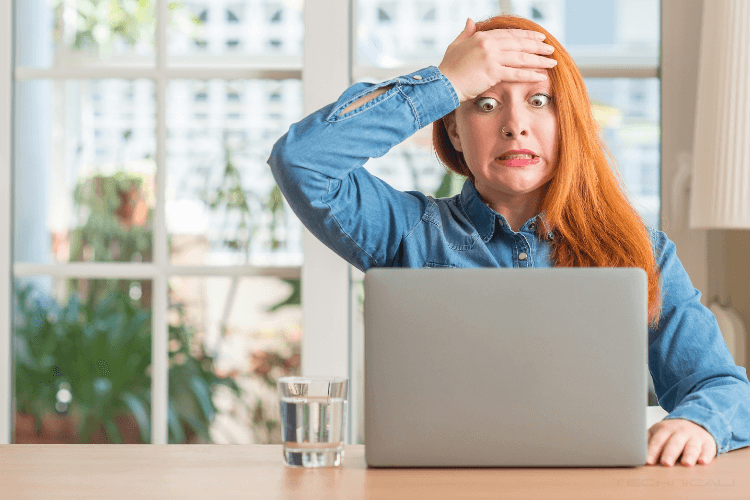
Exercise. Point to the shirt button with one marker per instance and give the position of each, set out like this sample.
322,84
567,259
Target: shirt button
417,77
532,226
522,256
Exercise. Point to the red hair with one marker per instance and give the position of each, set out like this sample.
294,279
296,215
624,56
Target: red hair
585,204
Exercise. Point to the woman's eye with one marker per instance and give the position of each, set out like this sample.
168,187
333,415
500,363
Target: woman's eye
489,104
486,103
544,98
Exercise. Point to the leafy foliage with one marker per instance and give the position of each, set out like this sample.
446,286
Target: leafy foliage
118,219
102,353
232,201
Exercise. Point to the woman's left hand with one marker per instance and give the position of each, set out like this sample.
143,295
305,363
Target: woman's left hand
672,438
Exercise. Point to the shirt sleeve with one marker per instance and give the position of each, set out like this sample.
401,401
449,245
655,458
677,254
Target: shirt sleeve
316,165
695,377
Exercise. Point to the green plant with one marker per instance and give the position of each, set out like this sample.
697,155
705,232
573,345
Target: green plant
103,354
233,202
116,227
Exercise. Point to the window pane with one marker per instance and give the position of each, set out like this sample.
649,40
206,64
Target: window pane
417,32
84,170
265,32
82,360
627,111
68,33
413,165
395,33
237,336
223,206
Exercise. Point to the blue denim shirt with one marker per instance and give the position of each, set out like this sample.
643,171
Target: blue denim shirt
369,223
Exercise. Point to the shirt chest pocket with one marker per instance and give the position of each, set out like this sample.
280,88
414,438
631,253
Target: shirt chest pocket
448,234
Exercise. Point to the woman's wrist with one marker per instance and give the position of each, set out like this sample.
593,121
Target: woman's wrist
451,79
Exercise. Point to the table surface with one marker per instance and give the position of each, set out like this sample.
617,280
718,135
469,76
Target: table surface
81,472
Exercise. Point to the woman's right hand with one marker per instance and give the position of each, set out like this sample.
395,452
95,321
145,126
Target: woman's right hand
478,60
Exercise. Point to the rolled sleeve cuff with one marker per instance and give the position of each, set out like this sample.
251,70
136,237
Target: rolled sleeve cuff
712,421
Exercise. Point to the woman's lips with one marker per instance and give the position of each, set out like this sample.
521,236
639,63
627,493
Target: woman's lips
518,162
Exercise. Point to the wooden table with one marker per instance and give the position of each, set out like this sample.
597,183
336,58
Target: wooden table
181,472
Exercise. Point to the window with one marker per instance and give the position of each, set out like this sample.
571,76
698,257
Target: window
157,270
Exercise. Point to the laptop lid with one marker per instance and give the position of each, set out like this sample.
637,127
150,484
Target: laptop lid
498,367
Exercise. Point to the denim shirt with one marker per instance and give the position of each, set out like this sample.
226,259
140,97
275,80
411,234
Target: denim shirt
369,223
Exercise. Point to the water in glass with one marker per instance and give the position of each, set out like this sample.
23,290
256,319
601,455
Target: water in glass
314,433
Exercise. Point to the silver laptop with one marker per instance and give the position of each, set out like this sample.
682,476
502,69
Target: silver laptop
506,367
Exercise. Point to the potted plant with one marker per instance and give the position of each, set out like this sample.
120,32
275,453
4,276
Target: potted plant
99,359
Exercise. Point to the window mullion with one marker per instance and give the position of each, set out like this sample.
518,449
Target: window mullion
141,270
325,276
6,120
159,327
135,72
377,74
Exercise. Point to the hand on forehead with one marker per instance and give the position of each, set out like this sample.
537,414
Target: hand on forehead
535,84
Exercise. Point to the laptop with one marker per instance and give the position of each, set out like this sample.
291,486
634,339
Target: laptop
505,367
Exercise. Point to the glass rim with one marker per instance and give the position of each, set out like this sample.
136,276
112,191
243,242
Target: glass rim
313,378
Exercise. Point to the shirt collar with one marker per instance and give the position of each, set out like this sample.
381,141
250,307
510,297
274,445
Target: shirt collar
482,217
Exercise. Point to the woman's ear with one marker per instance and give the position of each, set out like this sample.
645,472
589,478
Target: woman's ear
450,126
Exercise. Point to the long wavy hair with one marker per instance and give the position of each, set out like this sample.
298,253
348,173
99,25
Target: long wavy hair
585,205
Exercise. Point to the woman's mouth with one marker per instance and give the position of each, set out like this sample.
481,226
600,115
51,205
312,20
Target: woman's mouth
517,160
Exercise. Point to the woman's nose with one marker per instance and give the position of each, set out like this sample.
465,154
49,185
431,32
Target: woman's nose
512,123
510,130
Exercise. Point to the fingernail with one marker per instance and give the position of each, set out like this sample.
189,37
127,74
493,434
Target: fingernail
700,461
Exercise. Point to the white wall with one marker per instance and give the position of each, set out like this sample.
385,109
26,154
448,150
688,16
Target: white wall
680,38
716,269
729,273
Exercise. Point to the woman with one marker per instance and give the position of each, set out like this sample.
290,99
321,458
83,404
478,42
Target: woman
512,114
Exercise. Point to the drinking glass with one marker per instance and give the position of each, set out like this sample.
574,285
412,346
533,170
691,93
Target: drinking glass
313,420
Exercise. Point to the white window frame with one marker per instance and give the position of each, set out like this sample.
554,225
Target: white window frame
6,115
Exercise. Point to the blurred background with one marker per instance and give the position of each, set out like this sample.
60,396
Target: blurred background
146,217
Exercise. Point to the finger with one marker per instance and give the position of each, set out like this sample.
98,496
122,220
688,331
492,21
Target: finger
469,29
534,35
519,40
708,452
524,60
692,451
673,449
521,75
655,445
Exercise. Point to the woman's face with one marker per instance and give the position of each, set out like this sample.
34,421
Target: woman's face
526,110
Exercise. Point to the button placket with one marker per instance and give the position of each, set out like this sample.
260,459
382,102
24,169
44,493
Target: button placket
524,259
